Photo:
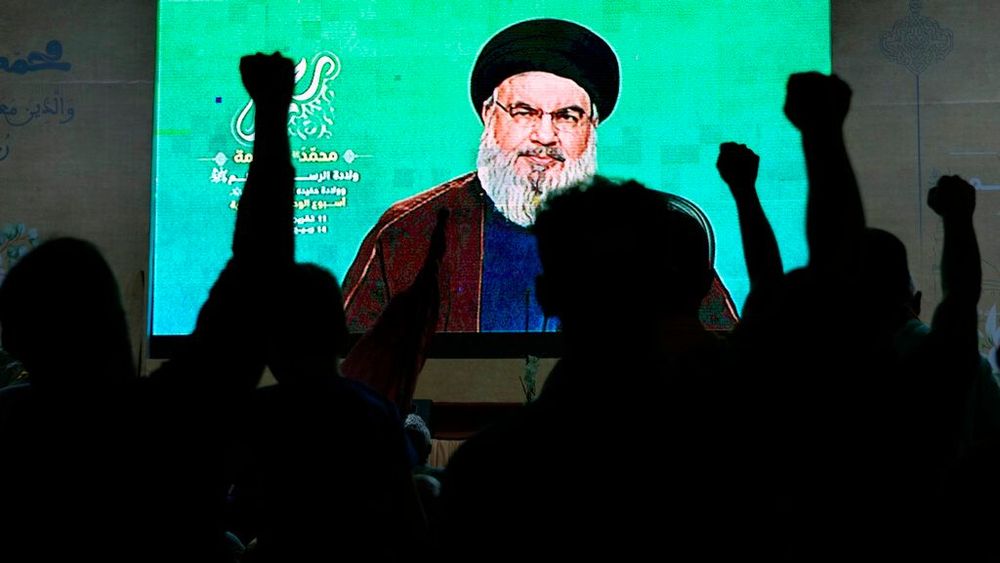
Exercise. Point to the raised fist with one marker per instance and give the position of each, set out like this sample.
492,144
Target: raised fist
269,79
952,197
737,165
817,102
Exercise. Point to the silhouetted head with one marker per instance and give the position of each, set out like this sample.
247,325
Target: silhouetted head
310,334
62,317
620,258
886,282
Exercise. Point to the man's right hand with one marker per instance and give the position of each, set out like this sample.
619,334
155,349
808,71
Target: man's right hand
269,79
816,102
952,198
737,165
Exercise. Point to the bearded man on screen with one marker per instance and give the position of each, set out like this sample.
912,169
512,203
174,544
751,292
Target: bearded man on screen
541,87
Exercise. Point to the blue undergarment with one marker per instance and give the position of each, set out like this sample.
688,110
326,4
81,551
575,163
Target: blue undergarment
510,266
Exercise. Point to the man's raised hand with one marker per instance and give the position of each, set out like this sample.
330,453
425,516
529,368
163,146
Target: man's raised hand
269,79
737,165
952,197
816,102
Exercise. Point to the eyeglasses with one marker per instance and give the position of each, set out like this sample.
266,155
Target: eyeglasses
564,120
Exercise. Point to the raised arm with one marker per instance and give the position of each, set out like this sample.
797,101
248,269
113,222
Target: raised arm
961,268
227,347
817,105
195,399
263,232
738,166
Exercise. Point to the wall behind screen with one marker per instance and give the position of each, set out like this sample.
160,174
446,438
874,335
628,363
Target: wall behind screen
923,107
85,175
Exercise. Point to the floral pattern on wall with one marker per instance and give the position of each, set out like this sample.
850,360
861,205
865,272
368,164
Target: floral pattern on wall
15,242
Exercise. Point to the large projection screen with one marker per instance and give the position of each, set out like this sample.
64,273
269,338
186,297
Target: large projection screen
384,113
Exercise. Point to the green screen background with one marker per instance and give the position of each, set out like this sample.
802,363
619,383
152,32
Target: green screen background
694,74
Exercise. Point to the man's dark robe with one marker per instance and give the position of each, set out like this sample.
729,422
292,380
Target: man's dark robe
394,250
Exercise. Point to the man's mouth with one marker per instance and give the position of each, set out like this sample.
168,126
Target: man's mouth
543,157
542,160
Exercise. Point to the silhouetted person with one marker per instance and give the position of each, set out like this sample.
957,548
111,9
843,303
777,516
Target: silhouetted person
827,415
325,470
895,306
63,297
195,398
630,416
68,433
958,406
323,467
951,347
858,438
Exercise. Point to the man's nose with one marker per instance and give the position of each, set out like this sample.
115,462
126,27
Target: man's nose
544,133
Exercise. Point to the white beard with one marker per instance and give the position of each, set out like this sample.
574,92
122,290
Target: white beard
518,198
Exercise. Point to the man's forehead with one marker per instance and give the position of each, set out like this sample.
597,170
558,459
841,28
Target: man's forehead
543,89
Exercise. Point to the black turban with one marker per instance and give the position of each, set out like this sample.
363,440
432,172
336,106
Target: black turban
547,45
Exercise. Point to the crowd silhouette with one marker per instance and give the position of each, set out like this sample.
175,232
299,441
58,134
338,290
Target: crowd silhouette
870,434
